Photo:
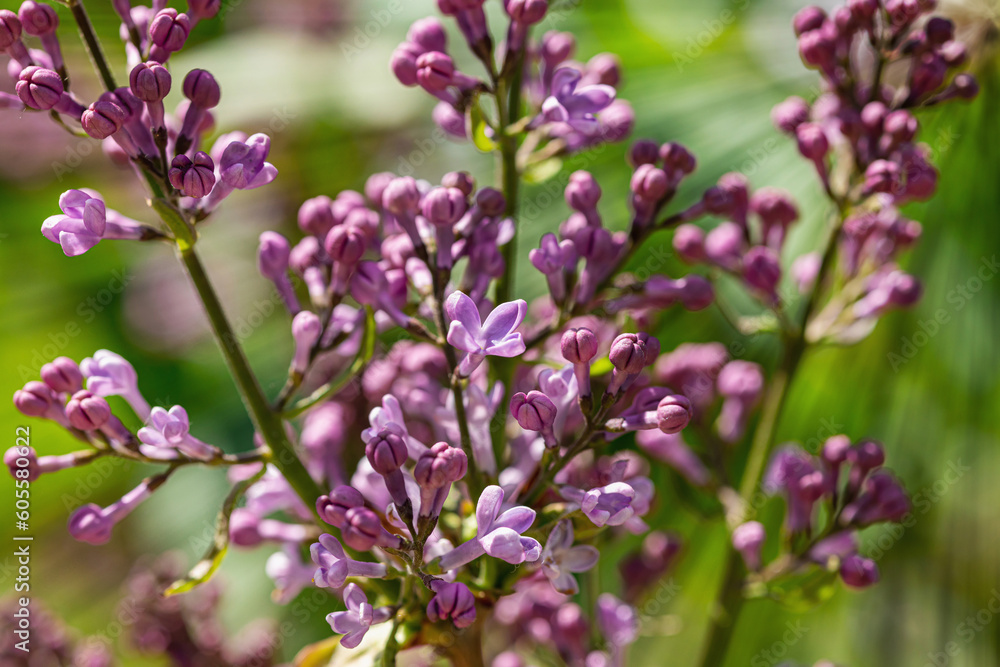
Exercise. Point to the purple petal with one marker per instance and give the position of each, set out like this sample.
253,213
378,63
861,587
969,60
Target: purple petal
564,82
566,584
461,308
503,320
505,544
77,244
561,536
461,338
590,99
511,346
94,216
59,223
72,202
267,174
553,111
488,508
580,558
518,519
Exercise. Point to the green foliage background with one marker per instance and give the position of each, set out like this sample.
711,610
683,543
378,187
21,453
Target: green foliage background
314,75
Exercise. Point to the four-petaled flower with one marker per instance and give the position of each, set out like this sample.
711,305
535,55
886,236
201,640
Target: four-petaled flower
497,533
168,433
82,224
576,106
360,616
479,339
560,558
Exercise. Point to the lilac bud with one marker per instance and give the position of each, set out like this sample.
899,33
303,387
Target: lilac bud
762,271
361,528
835,450
37,19
333,508
677,157
35,399
491,202
39,88
404,63
316,216
643,152
435,71
748,539
866,455
203,9
928,75
104,117
557,47
628,353
435,471
63,375
812,141
429,34
272,255
193,178
882,176
579,346
14,455
527,12
954,54
673,413
689,242
649,183
808,18
90,524
10,29
375,186
168,31
345,244
788,115
938,29
87,412
386,451
775,207
150,82
450,119
452,601
202,89
401,196
444,206
617,121
724,245
533,411
582,191
460,180
858,572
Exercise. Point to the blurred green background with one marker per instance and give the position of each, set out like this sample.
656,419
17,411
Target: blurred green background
314,76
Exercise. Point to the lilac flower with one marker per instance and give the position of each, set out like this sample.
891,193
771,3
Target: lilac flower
167,434
496,336
575,105
85,221
242,166
560,558
360,616
497,533
93,524
609,505
334,566
108,374
452,601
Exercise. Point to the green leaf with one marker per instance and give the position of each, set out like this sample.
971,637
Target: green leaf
368,345
210,562
542,171
477,126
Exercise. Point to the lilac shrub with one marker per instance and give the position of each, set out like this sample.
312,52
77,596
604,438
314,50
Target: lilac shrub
457,517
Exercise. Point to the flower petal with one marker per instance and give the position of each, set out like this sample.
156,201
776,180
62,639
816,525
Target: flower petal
580,558
488,509
503,320
461,308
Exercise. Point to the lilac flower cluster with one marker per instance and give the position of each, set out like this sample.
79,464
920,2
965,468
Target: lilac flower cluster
497,456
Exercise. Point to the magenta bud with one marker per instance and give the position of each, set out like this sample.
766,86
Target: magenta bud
193,178
10,29
361,528
579,346
345,244
444,206
202,89
866,455
673,413
167,33
38,19
643,152
491,202
650,183
39,88
203,9
440,465
316,216
812,141
534,411
788,115
401,196
333,508
582,191
748,539
858,572
435,71
689,242
13,458
675,156
762,270
429,34
87,412
273,255
104,117
63,375
808,18
150,82
628,353
836,449
386,451
404,63
34,399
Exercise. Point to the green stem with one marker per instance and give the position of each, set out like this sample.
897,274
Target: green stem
267,423
92,43
510,179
